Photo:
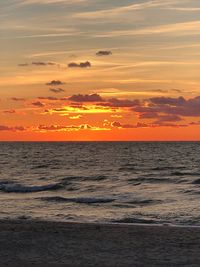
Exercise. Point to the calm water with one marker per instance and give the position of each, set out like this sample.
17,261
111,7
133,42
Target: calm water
151,182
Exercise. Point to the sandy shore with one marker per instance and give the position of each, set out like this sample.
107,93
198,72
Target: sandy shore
34,243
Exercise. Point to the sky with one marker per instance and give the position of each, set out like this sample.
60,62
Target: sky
99,70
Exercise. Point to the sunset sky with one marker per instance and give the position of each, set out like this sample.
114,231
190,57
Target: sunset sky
100,70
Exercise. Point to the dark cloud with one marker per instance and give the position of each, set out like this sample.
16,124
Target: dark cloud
128,126
59,109
117,103
168,101
116,124
145,125
41,63
86,98
86,64
167,118
149,115
176,90
85,127
12,129
75,105
55,110
51,98
51,127
141,125
57,90
104,53
11,111
38,63
23,64
17,99
171,106
38,104
160,91
195,123
64,128
55,83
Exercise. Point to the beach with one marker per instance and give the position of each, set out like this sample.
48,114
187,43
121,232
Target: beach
46,243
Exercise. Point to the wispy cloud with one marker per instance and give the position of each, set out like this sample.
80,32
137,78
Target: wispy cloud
119,10
185,9
48,35
44,2
183,28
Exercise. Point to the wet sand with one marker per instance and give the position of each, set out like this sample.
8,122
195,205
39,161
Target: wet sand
40,243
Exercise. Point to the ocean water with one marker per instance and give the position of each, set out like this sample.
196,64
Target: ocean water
129,182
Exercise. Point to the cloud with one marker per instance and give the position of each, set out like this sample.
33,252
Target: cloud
51,98
10,111
116,116
194,123
38,104
69,128
86,64
181,29
77,117
117,124
23,64
167,118
86,98
176,90
117,103
168,101
104,53
55,83
51,127
123,102
49,35
41,63
185,9
45,2
117,11
152,112
148,115
12,129
57,90
17,99
157,106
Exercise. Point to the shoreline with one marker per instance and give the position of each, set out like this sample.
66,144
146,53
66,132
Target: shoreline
52,243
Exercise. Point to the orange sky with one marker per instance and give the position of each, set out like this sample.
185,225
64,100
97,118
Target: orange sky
68,77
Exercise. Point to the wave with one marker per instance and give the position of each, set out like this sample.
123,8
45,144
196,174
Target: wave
145,202
191,192
41,166
197,181
79,200
18,188
163,168
128,168
177,173
139,180
135,220
84,178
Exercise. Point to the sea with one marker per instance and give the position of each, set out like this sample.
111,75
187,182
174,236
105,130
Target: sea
107,182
